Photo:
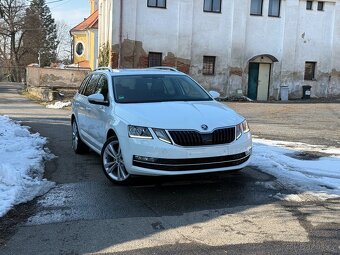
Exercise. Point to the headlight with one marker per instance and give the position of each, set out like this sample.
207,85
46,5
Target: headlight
139,132
245,127
162,135
238,131
242,128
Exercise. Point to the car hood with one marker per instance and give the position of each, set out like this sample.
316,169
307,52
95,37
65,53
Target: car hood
178,115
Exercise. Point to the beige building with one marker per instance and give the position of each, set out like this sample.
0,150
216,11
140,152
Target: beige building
249,47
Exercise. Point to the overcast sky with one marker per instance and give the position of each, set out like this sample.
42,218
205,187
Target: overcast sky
71,11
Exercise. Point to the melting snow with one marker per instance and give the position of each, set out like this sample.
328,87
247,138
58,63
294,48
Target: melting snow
58,105
21,165
316,179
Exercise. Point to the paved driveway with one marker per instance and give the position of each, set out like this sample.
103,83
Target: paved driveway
206,214
312,123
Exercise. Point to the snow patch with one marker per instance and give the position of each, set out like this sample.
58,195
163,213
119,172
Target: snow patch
305,197
58,105
21,165
317,179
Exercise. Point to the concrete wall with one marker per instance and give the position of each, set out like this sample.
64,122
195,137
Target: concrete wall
50,83
184,33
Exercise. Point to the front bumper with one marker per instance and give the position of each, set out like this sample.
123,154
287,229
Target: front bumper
153,157
191,164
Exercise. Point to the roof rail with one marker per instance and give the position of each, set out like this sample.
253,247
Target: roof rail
103,68
164,68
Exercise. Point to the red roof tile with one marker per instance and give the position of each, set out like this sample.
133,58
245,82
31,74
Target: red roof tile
90,22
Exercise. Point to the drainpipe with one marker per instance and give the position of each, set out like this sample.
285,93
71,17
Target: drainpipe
120,35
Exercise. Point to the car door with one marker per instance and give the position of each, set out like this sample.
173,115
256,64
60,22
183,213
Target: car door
79,106
101,113
86,122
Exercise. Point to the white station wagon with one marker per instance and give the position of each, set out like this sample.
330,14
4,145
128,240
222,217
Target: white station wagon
156,121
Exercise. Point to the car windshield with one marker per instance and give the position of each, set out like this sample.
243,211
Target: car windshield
157,88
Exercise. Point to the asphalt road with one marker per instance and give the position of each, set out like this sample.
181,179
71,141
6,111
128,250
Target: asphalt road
206,214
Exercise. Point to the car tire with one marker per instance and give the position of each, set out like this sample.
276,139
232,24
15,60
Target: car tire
78,145
113,162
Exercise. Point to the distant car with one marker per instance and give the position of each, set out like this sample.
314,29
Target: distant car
156,121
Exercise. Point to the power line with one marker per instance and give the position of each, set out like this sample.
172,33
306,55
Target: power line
56,6
55,1
51,2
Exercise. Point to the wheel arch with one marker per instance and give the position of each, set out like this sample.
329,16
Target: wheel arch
73,117
111,133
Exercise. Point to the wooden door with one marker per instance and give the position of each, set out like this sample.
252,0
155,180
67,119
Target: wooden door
263,82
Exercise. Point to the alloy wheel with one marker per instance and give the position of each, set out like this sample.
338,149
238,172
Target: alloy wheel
75,137
113,162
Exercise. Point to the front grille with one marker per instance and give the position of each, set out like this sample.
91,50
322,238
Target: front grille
194,138
188,164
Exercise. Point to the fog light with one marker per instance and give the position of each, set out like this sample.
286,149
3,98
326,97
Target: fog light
144,159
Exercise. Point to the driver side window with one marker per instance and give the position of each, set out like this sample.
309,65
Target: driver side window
91,86
103,87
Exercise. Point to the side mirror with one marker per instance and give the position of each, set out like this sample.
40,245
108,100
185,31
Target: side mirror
97,99
214,94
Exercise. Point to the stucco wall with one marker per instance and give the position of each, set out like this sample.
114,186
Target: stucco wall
81,37
186,33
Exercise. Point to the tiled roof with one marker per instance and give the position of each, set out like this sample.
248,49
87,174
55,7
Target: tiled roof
90,22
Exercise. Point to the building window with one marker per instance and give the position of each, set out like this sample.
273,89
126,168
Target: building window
157,3
320,6
310,71
155,59
212,6
209,65
80,49
274,8
256,7
309,5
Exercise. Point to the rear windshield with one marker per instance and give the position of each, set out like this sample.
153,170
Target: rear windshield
157,88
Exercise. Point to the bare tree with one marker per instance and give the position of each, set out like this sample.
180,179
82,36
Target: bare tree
12,32
65,40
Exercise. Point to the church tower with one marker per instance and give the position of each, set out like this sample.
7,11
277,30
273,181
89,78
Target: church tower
93,6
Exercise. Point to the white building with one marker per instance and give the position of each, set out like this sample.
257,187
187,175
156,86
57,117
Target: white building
230,45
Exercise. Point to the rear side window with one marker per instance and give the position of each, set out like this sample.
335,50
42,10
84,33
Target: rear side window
92,84
83,85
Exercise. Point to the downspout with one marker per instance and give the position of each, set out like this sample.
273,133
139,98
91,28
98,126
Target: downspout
120,34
